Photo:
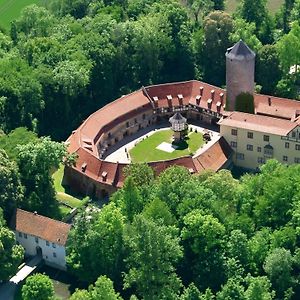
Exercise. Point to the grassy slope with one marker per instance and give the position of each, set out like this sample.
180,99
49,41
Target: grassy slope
146,151
62,195
10,10
273,5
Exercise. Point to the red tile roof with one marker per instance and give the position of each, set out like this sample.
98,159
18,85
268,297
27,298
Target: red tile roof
259,123
40,226
214,158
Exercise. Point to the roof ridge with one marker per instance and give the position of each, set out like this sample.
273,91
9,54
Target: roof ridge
32,213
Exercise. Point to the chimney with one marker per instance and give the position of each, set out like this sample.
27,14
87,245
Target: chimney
212,92
198,99
83,167
201,90
222,97
104,175
35,212
269,101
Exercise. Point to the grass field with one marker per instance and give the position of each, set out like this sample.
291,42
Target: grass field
62,195
146,151
10,10
273,5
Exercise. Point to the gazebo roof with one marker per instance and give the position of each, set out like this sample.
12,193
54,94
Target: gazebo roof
177,119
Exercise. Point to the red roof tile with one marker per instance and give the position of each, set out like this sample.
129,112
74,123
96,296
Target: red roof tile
40,226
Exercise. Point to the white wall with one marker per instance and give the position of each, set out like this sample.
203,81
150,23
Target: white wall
30,246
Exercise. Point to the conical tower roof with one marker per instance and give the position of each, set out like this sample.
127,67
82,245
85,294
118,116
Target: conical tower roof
178,119
240,51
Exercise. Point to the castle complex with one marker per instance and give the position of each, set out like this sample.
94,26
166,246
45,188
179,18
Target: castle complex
246,140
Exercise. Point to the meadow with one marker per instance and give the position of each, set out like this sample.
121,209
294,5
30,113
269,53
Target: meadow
273,5
10,10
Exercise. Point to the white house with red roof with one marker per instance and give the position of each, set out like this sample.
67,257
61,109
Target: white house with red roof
43,236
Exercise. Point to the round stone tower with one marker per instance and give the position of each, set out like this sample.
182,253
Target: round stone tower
240,63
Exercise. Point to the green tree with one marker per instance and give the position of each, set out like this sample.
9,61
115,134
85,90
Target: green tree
22,94
38,287
36,161
259,288
278,266
268,71
11,190
289,48
217,28
191,293
95,245
232,290
103,290
153,251
203,237
11,254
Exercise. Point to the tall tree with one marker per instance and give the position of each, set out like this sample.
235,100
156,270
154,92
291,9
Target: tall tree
217,28
153,251
36,161
11,190
95,245
11,254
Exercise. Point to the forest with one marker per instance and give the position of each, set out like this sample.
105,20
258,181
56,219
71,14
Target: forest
60,63
176,236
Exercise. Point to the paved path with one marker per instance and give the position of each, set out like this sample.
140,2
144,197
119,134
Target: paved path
8,289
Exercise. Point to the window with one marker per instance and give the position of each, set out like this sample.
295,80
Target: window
240,156
144,116
297,147
261,160
25,235
268,150
250,135
266,138
287,145
285,158
293,134
109,135
54,254
258,149
127,124
297,160
47,243
20,234
36,239
234,131
233,144
250,147
135,121
53,245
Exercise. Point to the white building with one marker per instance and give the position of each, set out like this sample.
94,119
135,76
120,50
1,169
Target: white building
40,235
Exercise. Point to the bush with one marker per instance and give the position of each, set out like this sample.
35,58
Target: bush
245,103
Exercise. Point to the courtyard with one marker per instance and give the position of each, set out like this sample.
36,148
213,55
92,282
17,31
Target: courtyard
155,143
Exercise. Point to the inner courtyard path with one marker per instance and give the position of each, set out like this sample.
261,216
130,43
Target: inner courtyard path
120,151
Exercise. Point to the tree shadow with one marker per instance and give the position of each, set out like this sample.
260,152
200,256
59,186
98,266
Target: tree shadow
182,145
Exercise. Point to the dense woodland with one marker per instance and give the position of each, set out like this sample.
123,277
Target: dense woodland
58,64
177,236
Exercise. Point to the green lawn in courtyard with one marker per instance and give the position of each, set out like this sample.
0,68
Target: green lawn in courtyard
146,151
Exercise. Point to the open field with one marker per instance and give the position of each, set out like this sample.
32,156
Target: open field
273,5
10,10
146,151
